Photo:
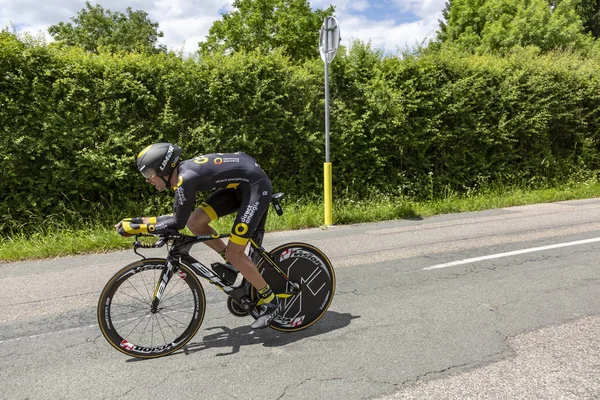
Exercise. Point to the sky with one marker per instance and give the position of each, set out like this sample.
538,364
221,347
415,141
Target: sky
389,25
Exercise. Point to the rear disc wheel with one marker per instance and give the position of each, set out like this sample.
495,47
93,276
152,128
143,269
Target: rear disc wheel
311,269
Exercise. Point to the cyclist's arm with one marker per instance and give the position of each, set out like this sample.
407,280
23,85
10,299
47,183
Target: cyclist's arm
183,205
152,225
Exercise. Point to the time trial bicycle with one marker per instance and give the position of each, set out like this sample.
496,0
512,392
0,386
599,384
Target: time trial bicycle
155,306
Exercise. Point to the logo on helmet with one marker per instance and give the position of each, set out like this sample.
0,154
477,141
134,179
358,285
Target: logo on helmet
164,163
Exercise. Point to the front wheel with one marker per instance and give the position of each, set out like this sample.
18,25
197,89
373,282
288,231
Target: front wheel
311,269
125,309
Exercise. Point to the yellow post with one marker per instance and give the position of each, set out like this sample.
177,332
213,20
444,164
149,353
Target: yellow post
328,207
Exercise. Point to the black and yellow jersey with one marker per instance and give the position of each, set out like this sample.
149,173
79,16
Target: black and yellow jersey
237,171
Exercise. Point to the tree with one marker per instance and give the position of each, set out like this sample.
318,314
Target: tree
499,25
266,25
445,14
589,12
93,27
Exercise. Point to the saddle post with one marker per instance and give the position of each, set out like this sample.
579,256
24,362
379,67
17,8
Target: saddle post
259,232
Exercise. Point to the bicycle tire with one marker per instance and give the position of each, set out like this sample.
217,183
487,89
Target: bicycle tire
124,306
309,266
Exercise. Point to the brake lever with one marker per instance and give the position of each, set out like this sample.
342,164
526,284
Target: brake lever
136,245
139,245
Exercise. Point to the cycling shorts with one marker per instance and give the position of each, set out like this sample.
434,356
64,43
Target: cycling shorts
250,204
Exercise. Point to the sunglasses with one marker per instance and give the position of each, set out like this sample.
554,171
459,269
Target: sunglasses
148,173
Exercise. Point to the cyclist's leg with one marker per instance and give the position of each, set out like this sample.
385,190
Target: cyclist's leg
218,204
198,225
236,255
255,202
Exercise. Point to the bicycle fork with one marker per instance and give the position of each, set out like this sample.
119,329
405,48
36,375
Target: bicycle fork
161,285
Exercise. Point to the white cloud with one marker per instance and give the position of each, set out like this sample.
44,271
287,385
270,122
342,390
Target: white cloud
422,8
385,34
188,21
32,12
185,32
359,5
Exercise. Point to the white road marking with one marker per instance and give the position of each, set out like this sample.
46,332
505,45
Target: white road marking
510,253
48,333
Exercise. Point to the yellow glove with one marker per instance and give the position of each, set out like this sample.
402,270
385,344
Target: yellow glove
134,226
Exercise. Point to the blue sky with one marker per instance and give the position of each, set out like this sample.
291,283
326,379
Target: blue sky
387,24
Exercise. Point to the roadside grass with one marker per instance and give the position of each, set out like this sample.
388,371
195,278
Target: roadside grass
63,241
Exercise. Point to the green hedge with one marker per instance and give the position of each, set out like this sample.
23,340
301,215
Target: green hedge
423,126
71,123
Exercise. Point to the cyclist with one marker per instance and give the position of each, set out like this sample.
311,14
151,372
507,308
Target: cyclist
241,185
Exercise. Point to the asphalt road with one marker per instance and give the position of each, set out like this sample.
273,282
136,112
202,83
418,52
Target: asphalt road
501,304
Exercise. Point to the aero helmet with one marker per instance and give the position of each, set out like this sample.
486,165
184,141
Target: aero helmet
159,159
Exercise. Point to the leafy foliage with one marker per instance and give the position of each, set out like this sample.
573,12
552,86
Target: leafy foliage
499,25
266,25
441,34
589,13
94,28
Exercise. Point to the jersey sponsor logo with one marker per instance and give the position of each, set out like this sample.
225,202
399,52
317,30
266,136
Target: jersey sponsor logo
232,180
201,160
161,226
241,229
231,160
180,196
218,161
249,213
180,182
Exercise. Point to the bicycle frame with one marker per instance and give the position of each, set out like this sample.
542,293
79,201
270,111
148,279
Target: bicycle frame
179,254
